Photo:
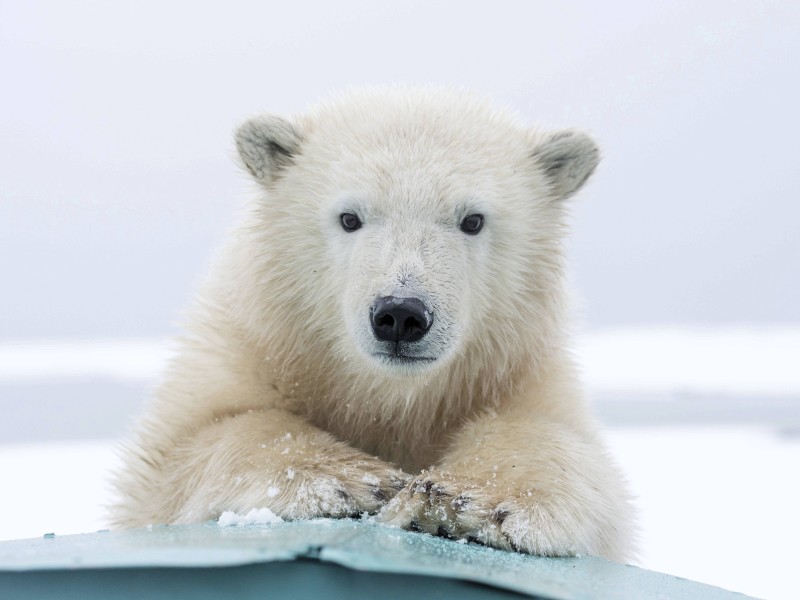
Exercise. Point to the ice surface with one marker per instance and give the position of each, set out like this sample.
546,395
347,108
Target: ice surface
698,360
716,504
118,359
360,546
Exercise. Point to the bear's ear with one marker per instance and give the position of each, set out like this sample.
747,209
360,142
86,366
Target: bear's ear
267,145
567,158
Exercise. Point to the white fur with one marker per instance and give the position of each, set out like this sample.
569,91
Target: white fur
277,399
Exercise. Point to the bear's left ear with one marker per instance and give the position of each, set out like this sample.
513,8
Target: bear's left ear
567,159
267,145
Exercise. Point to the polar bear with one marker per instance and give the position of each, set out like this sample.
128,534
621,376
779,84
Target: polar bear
385,334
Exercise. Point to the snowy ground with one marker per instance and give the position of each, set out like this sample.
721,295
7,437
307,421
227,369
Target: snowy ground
705,423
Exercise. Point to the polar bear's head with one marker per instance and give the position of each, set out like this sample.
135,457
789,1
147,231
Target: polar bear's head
406,228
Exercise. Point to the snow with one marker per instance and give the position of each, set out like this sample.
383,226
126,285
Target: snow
371,479
716,504
124,359
700,360
256,516
62,487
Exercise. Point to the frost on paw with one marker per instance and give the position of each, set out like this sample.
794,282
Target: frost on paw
423,505
324,497
502,518
350,491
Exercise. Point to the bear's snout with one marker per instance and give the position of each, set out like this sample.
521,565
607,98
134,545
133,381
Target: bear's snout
396,319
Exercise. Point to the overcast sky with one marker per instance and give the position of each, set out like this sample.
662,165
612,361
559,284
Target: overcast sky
116,178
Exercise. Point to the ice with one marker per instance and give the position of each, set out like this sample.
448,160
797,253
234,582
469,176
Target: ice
256,516
128,360
734,361
273,491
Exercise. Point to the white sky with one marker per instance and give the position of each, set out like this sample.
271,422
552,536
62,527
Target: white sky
116,177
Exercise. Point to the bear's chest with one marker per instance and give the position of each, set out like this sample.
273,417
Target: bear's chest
411,439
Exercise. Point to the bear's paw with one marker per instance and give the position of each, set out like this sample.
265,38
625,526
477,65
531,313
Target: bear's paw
501,516
351,490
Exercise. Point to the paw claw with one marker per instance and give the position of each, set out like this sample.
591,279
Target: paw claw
460,503
439,491
423,487
499,515
444,532
398,483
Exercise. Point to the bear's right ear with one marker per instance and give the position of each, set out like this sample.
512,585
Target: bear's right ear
267,145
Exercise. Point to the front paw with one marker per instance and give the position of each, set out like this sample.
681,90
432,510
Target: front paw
347,490
502,516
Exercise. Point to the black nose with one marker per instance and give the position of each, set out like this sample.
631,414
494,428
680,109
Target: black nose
400,319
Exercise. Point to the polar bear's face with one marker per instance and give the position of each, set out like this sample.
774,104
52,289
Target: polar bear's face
415,231
408,262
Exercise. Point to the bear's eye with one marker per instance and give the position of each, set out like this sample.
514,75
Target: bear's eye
472,224
350,222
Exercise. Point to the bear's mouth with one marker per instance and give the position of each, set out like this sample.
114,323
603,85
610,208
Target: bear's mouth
403,359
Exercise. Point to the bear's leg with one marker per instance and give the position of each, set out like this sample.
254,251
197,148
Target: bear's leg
259,458
520,482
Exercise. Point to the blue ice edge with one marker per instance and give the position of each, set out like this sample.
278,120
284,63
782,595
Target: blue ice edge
357,545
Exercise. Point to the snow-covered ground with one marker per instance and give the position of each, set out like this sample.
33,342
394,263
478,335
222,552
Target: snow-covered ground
705,423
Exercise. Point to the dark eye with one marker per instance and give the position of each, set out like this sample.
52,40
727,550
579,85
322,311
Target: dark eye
472,224
350,222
